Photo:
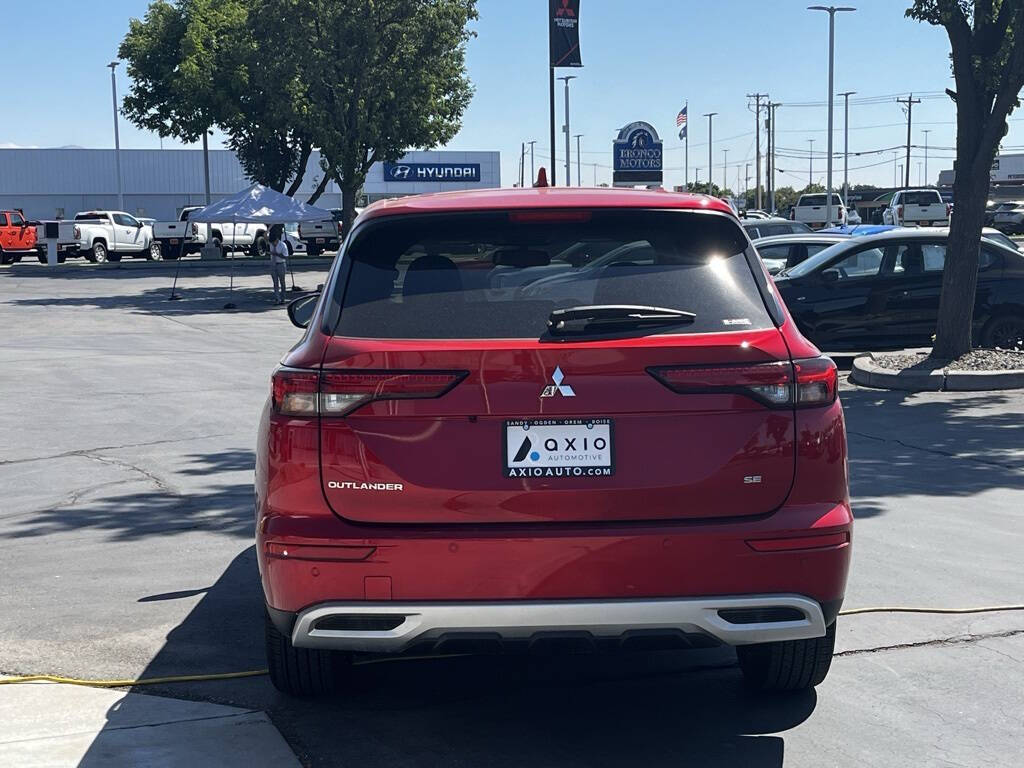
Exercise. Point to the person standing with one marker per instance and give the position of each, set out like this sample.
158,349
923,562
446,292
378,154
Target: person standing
278,262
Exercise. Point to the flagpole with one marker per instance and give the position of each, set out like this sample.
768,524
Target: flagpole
686,152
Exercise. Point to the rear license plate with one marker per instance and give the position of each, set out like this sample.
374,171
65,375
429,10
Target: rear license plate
559,448
319,240
174,241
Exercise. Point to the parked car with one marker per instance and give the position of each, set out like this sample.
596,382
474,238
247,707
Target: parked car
17,237
923,207
321,236
1010,218
444,466
296,246
882,292
756,228
784,251
109,235
182,237
755,213
812,210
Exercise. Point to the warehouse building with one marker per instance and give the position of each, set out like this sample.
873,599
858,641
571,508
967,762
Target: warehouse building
58,183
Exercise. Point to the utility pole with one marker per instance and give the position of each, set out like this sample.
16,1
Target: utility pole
711,163
810,160
578,182
926,131
696,176
533,175
117,138
846,146
746,183
757,140
773,106
522,163
910,101
725,169
568,160
551,107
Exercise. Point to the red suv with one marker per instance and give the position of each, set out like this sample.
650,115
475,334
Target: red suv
550,418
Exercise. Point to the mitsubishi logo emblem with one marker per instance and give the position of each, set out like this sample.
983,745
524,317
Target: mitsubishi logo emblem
557,388
565,10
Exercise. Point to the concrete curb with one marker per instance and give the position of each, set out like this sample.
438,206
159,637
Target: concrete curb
868,373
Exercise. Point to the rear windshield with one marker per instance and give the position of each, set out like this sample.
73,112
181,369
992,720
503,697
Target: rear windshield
927,197
483,276
818,200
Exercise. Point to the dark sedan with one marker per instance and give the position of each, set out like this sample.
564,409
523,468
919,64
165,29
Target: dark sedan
882,292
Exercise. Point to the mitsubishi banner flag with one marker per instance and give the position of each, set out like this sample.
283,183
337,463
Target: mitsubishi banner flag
564,37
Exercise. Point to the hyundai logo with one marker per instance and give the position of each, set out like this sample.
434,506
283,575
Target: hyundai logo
400,172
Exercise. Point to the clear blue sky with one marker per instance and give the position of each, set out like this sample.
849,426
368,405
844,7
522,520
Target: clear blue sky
642,60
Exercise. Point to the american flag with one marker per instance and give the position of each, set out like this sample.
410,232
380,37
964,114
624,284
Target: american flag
681,122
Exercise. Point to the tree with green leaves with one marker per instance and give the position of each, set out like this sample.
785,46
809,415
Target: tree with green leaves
987,54
196,64
382,77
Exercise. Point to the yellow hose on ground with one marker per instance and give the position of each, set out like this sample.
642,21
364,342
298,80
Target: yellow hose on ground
259,672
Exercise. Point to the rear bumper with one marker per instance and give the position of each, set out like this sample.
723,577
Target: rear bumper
397,627
801,550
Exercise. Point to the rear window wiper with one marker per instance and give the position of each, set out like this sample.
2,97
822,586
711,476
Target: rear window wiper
604,316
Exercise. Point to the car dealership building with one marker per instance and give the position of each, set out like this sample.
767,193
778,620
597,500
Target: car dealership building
58,183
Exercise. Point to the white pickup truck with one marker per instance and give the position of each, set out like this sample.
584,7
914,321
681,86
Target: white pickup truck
812,211
182,237
923,207
320,236
109,235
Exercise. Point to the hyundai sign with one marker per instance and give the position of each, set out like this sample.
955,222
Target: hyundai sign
637,155
439,172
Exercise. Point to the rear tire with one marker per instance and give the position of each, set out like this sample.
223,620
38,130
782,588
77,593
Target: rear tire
100,254
301,672
790,665
1004,331
261,246
5,258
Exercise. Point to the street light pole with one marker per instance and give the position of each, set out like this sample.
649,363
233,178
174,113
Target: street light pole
579,183
565,128
810,161
831,10
926,131
846,146
533,176
117,138
725,169
711,163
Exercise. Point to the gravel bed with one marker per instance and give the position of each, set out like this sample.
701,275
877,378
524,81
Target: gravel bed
975,360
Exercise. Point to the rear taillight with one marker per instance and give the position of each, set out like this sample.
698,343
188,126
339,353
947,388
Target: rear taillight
899,210
295,393
306,393
949,209
195,229
78,232
817,381
792,214
802,384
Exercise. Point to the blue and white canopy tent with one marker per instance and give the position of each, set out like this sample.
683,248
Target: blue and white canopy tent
256,205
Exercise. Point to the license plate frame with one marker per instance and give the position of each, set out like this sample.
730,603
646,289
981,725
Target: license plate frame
570,435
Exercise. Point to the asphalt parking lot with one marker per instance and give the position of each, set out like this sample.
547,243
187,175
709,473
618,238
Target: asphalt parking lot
126,514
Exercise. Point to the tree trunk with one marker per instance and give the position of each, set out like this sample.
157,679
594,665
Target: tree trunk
320,188
300,173
953,330
349,190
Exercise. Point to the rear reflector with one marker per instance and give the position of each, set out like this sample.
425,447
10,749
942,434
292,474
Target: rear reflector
799,542
317,552
307,393
802,384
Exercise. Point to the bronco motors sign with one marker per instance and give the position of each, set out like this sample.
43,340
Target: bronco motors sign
443,172
637,155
